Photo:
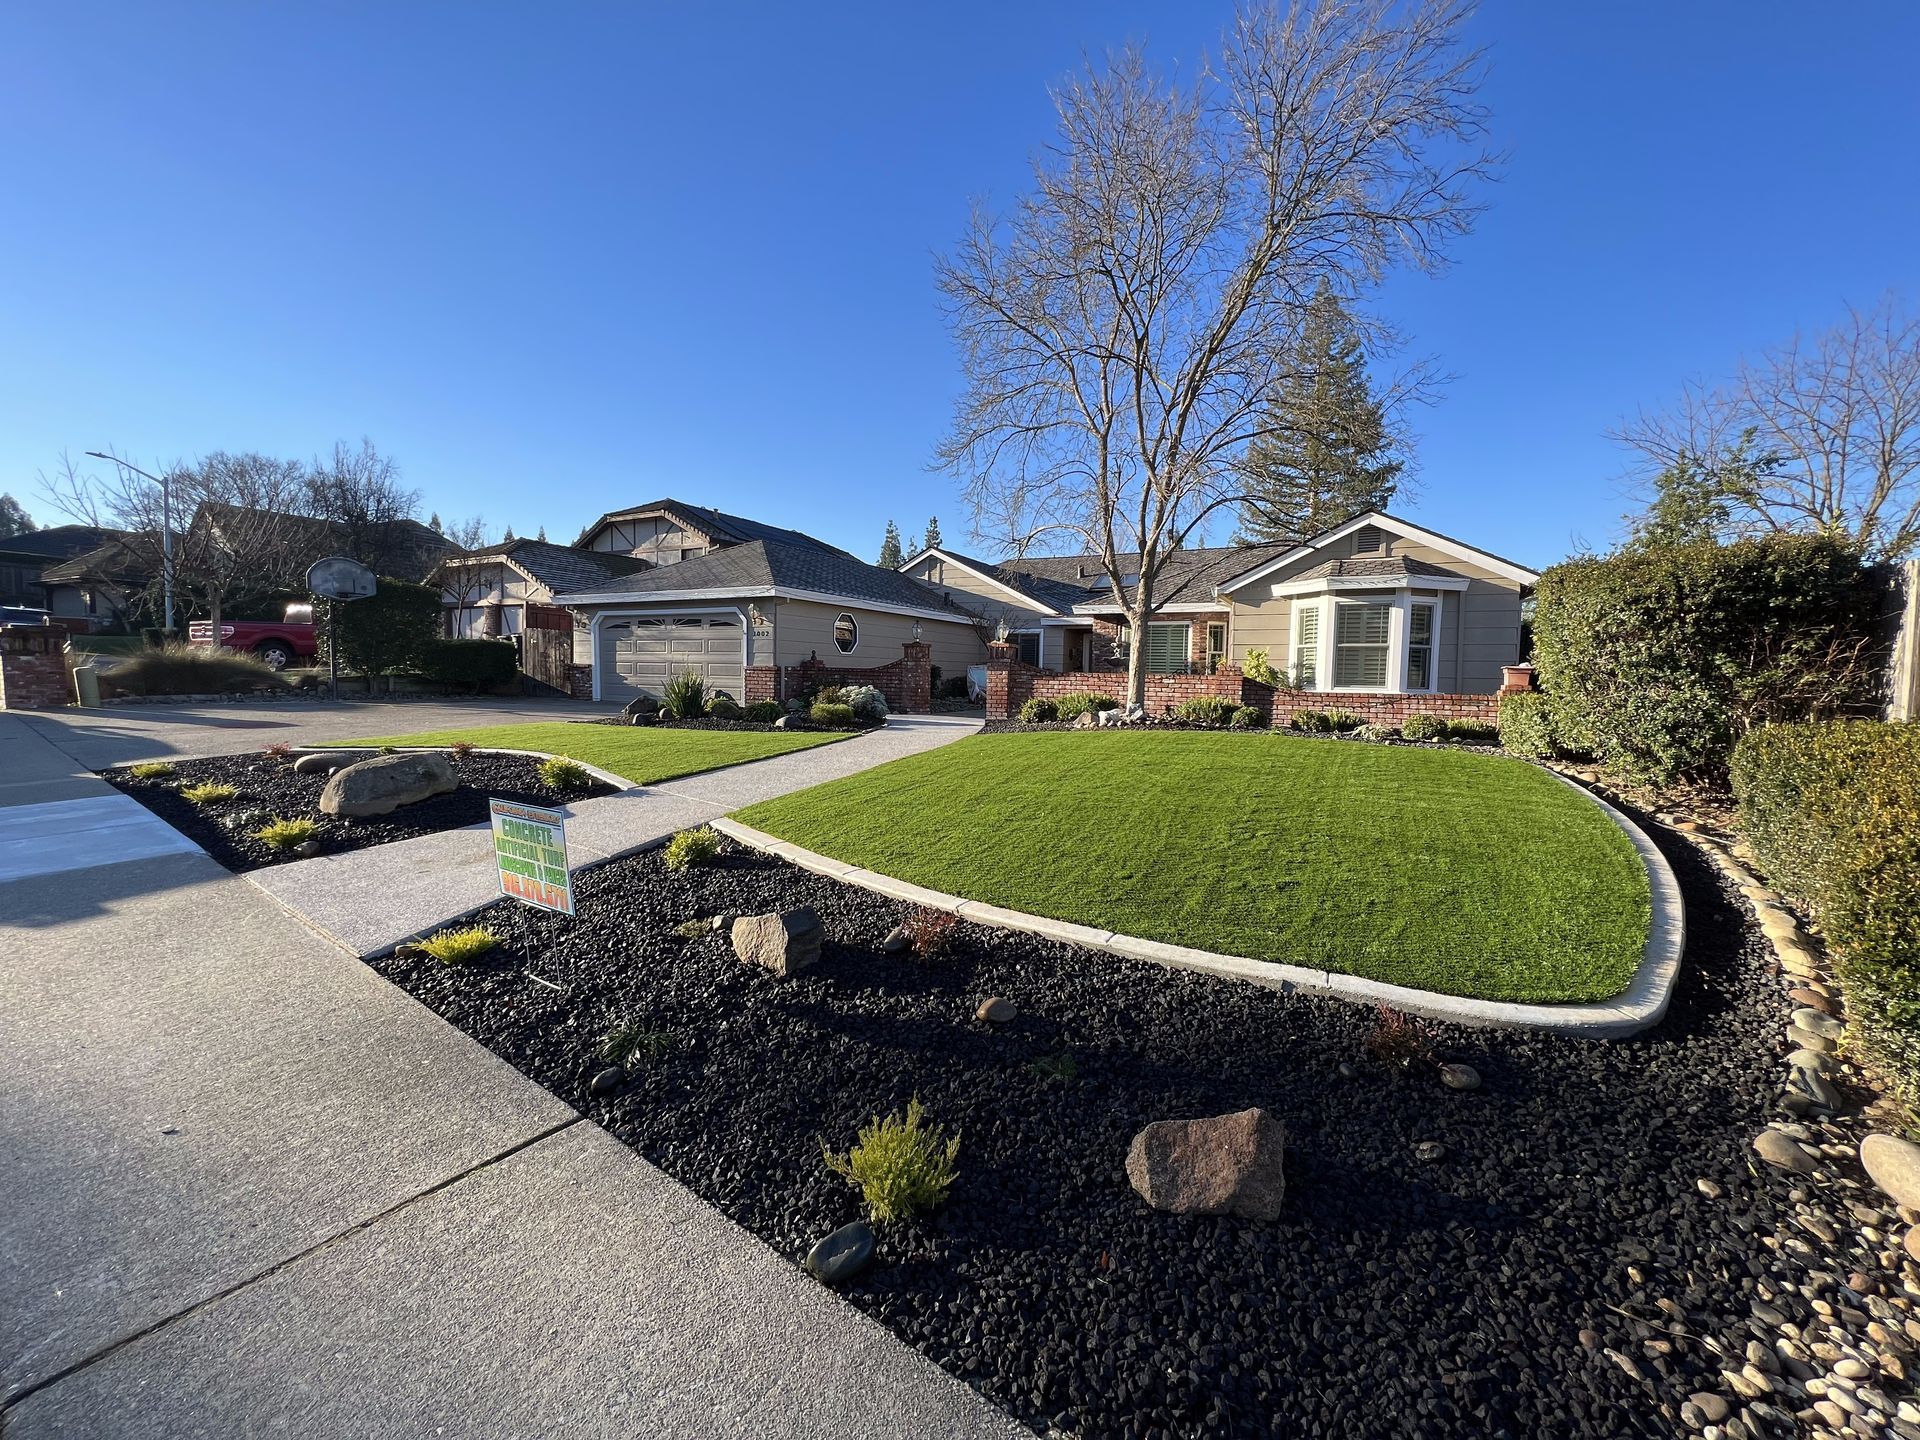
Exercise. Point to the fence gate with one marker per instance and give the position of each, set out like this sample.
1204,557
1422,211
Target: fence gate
546,661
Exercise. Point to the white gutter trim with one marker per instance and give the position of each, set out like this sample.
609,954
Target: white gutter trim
1219,607
1368,582
1519,574
760,592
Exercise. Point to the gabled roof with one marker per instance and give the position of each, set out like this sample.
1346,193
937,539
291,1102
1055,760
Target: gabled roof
717,525
56,542
121,560
558,567
1406,529
1187,576
766,567
1053,596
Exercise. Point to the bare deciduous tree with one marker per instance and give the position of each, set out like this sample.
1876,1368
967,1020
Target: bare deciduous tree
468,534
1126,328
1819,434
359,493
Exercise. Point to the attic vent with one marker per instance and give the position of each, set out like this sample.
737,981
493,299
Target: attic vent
1367,540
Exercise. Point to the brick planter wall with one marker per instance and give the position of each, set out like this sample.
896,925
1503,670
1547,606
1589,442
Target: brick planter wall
907,682
580,681
33,668
1386,709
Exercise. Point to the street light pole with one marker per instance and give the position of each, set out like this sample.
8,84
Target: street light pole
166,534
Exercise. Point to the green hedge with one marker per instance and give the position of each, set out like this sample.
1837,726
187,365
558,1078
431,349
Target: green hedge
1526,727
1832,813
392,629
477,664
1660,660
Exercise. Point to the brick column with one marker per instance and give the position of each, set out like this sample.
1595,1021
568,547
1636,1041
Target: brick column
916,677
33,668
999,671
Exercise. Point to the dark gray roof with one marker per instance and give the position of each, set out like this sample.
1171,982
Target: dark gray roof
726,529
1387,567
1053,593
1186,576
763,565
559,567
122,559
402,549
56,542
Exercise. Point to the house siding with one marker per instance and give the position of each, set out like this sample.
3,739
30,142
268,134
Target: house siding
805,627
983,597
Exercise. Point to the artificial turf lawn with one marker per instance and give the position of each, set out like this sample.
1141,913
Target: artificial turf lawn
1454,872
643,754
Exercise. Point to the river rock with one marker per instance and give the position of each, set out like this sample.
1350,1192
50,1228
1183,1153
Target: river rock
1894,1165
606,1081
997,1009
322,764
1218,1165
1811,999
385,783
896,941
785,942
1782,1153
841,1255
1459,1077
1818,1022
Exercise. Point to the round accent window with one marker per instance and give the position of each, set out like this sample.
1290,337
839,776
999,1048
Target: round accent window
846,634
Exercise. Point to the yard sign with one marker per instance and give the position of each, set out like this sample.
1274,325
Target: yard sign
530,849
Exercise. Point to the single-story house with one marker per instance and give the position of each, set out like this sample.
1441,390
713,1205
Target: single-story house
665,532
25,558
108,584
767,619
1375,606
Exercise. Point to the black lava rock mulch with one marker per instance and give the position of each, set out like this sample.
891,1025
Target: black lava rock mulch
1394,1298
270,786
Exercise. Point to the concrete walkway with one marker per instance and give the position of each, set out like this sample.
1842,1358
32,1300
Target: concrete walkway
425,882
248,1187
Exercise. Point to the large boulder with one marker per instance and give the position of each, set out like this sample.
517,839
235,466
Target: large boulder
385,783
1220,1165
784,942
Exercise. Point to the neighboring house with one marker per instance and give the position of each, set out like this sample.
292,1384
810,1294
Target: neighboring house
1377,605
401,549
766,619
108,584
24,559
665,532
499,589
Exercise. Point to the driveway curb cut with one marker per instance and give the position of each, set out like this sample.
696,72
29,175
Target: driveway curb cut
1639,1006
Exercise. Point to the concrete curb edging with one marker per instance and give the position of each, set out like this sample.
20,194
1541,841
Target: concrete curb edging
1638,1007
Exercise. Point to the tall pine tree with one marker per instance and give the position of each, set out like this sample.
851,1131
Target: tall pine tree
1332,454
890,556
933,533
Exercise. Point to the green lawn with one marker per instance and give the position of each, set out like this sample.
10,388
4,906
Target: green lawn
643,754
1465,874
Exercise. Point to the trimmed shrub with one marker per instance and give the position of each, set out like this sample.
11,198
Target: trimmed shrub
392,629
693,847
722,706
684,697
869,706
280,834
469,664
1205,710
1344,720
831,715
1423,727
1526,726
1311,722
764,712
177,669
1038,711
1660,660
1072,707
1377,733
1473,732
830,695
1833,814
557,772
1258,667
1248,717
901,1166
456,947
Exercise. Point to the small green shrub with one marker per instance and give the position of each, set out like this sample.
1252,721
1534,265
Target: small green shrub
151,770
1248,717
456,947
1205,710
631,1044
901,1166
1311,722
557,772
693,847
1526,726
1376,733
1039,711
472,665
869,706
1055,1067
1473,732
208,792
1423,727
281,834
722,706
764,712
1072,707
830,715
1259,667
176,669
685,696
830,695
1342,721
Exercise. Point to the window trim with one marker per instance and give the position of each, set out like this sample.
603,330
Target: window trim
1431,603
1385,645
853,625
1399,605
1186,646
1216,657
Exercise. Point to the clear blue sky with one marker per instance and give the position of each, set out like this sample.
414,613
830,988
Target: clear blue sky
559,258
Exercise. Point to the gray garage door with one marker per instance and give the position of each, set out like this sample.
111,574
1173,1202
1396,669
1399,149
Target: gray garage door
638,656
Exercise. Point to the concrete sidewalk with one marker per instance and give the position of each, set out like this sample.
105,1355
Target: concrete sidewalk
248,1187
425,882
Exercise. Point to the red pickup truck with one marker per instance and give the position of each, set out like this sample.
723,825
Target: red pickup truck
275,642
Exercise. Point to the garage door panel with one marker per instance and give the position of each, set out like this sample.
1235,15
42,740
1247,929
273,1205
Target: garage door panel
640,656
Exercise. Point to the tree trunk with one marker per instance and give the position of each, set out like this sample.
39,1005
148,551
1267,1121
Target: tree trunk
1137,660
